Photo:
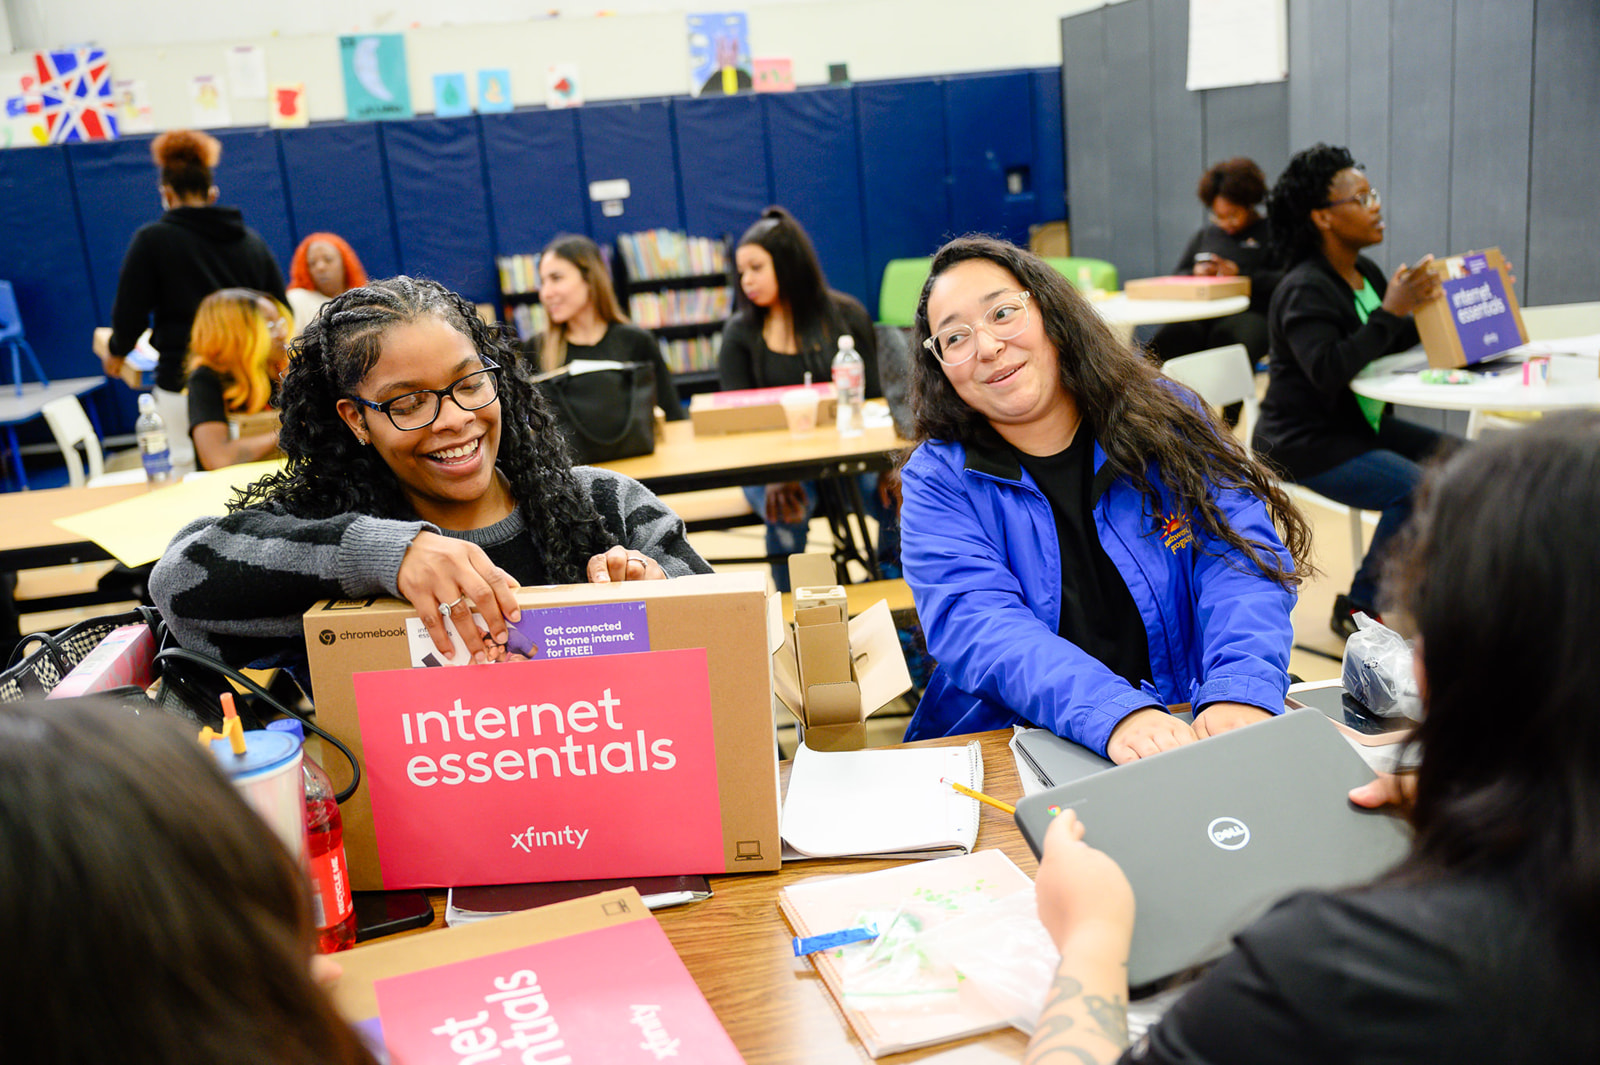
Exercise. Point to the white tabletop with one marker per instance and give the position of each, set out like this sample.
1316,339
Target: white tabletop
15,409
1574,383
1118,309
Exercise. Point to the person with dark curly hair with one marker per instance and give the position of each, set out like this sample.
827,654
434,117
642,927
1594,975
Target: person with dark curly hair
1483,945
191,251
1235,244
1086,544
421,464
1331,316
787,324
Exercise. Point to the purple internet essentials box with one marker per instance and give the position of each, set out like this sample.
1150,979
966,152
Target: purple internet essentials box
1482,315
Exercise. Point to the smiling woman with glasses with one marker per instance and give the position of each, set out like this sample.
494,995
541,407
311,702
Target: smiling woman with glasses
421,463
1086,544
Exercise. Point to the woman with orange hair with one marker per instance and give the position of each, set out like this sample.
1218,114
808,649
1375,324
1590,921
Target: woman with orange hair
236,358
324,266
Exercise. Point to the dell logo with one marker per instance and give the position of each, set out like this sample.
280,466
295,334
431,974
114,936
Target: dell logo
1229,833
327,637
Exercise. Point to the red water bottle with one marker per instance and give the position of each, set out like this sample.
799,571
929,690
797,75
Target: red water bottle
332,906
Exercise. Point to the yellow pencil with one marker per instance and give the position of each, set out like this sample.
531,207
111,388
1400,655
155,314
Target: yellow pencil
980,796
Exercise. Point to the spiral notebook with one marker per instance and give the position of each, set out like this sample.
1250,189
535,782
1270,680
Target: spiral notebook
882,803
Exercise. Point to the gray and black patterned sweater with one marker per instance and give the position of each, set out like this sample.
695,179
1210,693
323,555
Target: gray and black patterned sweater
236,586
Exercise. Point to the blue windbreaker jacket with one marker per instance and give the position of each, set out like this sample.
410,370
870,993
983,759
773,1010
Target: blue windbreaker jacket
982,557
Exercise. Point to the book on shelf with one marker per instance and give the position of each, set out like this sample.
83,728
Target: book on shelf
657,254
691,354
882,803
895,993
592,979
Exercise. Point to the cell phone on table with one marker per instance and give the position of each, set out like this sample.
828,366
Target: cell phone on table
1344,710
382,913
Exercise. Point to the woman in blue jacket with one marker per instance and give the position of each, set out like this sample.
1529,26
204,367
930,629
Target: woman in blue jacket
1081,581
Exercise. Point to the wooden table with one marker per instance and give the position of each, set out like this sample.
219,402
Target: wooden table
684,462
776,1008
30,537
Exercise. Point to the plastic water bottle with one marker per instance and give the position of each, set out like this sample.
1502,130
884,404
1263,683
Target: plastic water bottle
333,909
850,382
152,435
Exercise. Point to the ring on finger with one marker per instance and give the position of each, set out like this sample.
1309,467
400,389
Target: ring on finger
445,609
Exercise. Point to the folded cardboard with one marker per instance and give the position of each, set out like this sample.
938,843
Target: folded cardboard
830,673
1183,287
637,739
749,410
1476,315
593,979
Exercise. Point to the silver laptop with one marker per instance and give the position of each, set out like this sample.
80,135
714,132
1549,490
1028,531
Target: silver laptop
1057,761
1213,833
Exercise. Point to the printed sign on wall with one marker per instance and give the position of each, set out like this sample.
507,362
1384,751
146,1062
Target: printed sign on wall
558,769
376,85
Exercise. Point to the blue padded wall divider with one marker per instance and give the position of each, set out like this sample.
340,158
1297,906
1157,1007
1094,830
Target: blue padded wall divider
117,191
989,131
1049,149
535,178
633,141
250,177
816,167
722,161
441,207
337,183
903,190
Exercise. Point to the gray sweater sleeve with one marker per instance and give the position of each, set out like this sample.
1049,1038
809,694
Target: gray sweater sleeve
237,586
640,521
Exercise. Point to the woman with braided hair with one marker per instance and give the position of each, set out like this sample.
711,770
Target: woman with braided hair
422,464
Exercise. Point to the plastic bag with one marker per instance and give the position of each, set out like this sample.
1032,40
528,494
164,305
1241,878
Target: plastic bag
1003,953
1378,670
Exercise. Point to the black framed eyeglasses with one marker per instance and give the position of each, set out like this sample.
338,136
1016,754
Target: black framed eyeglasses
419,409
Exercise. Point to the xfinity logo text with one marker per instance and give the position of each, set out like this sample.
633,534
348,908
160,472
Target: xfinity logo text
1229,833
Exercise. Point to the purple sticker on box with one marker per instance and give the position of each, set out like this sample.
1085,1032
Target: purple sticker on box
581,631
1475,264
1481,315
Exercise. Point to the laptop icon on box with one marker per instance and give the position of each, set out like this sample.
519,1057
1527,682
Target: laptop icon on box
747,850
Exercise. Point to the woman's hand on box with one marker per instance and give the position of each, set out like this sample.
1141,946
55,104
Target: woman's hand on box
1411,287
440,573
621,564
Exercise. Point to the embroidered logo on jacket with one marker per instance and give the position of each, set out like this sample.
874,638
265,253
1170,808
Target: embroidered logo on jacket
1175,533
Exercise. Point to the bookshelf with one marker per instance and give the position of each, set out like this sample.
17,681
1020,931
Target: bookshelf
519,294
680,288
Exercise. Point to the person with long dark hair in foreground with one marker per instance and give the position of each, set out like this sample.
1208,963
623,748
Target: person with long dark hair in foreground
150,916
1483,945
1087,545
421,463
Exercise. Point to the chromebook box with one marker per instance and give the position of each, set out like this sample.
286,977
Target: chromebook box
630,734
1476,316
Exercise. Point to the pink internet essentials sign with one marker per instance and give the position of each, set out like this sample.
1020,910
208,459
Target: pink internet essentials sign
613,994
565,769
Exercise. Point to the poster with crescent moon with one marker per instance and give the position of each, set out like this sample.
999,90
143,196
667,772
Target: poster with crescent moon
376,85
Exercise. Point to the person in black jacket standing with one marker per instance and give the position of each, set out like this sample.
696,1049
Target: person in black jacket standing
173,263
1332,315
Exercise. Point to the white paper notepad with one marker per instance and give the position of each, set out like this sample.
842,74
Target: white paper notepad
887,802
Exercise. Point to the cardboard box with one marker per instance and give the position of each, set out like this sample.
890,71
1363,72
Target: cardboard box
1181,287
1477,315
830,673
636,740
592,979
750,410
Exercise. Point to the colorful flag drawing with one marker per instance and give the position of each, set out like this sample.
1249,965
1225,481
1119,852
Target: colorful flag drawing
564,88
75,95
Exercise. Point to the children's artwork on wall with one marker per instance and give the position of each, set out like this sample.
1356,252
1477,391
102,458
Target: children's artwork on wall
719,54
287,105
75,95
564,88
247,71
133,106
773,75
24,119
208,103
450,97
376,85
494,90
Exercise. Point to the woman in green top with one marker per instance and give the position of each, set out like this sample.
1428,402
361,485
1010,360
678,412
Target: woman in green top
1333,314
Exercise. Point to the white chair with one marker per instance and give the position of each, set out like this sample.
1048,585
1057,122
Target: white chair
1221,376
70,426
1559,321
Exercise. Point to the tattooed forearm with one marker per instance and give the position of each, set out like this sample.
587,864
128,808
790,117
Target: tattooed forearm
1059,1038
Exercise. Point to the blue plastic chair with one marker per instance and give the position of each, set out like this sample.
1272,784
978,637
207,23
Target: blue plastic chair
11,336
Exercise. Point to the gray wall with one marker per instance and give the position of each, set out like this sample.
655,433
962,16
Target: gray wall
1478,120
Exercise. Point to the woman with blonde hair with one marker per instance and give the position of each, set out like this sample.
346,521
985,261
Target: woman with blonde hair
586,321
236,358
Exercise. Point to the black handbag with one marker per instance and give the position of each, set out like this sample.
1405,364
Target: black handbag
606,411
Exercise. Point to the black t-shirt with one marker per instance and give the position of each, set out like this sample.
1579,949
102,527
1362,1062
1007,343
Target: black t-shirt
1459,970
509,545
204,395
1097,611
623,342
